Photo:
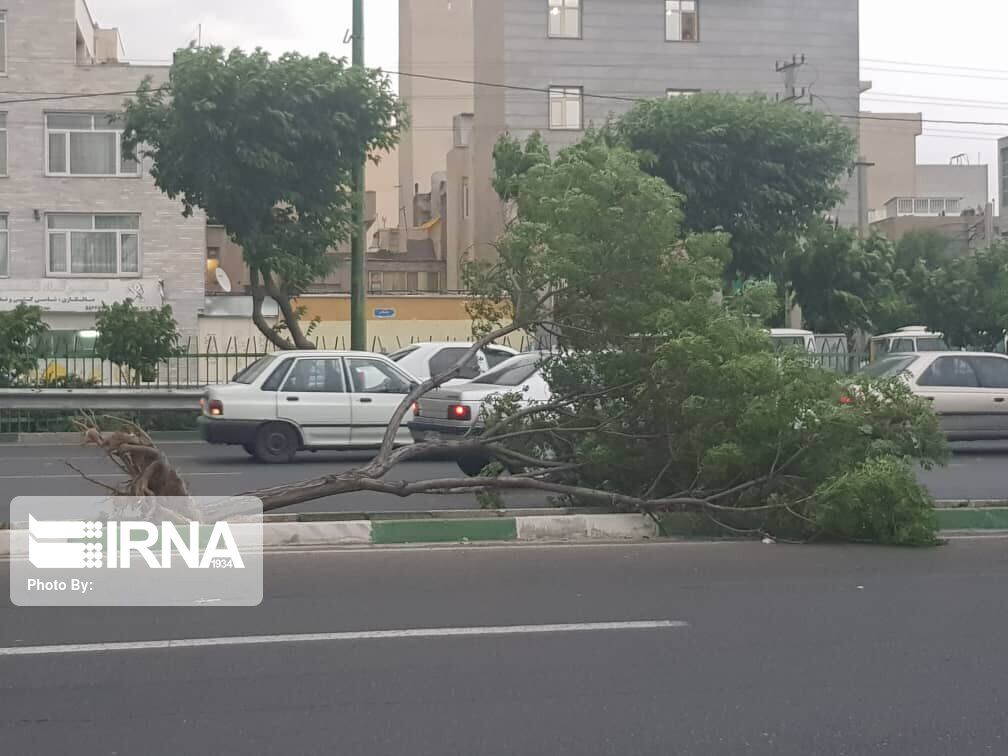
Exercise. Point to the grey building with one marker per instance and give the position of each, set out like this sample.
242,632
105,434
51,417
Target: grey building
557,66
80,225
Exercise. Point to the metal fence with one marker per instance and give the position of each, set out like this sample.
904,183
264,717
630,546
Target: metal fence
196,364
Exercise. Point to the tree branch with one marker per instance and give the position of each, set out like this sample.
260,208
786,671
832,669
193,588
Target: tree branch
258,297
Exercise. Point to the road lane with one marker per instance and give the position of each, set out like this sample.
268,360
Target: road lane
788,651
976,472
216,470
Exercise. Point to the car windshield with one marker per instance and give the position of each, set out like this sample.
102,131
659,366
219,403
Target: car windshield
514,372
253,371
890,367
932,344
789,342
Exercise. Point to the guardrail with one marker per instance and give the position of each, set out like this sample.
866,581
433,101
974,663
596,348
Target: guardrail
74,400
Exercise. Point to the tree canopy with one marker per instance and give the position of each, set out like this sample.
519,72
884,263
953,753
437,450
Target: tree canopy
759,170
266,147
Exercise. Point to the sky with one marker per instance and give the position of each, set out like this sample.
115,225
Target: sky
921,55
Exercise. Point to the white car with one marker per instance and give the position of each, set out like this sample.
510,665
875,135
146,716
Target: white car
295,400
425,360
968,390
454,411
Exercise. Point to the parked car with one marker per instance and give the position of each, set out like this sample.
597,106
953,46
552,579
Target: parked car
429,359
793,338
968,390
455,411
306,400
904,341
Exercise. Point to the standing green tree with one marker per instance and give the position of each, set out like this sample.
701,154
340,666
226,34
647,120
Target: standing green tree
19,329
266,148
761,171
136,339
966,298
842,282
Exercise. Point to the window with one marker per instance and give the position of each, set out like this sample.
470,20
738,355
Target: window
276,377
3,42
950,371
565,108
376,377
253,371
496,356
3,144
374,281
445,360
316,375
465,196
920,206
565,18
430,281
670,93
86,144
681,21
89,245
992,371
4,246
904,206
890,367
952,206
514,372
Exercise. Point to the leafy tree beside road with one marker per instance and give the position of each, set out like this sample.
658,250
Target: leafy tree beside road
758,170
266,147
19,330
136,339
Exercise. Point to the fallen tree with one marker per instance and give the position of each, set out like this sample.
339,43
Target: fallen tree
665,398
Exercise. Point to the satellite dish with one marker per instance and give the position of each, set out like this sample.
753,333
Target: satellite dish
223,279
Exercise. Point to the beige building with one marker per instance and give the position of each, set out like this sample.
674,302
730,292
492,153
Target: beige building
436,62
557,66
79,224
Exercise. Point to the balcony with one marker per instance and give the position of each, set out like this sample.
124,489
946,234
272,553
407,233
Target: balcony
927,207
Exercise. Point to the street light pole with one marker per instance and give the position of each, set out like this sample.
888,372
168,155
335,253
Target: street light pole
358,318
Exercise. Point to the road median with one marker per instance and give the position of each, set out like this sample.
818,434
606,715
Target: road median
281,532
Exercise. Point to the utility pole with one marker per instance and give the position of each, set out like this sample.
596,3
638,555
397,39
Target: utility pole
790,69
358,316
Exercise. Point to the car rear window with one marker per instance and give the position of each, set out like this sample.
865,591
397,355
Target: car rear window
396,356
514,372
933,344
253,371
890,367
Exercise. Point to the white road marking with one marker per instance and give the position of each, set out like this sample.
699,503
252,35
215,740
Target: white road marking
260,640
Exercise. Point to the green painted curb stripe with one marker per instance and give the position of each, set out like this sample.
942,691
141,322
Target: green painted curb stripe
441,531
972,519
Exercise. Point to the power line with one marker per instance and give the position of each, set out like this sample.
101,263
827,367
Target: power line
545,91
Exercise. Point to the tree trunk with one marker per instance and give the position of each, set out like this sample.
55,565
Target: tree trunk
258,295
290,316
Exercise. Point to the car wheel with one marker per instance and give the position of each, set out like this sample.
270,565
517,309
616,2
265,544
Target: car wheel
276,443
472,465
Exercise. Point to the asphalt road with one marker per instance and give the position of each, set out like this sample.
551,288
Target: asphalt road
976,472
788,651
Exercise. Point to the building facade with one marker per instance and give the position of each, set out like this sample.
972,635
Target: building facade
557,66
81,225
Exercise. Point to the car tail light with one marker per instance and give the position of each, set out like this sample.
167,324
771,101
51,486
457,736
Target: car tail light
215,407
459,412
416,409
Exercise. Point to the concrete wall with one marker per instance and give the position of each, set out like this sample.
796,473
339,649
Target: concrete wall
967,181
42,58
623,52
414,318
435,39
889,140
383,180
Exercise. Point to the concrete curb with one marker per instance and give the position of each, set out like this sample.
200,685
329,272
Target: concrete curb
517,528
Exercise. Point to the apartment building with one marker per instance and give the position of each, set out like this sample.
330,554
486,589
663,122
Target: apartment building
557,66
79,223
